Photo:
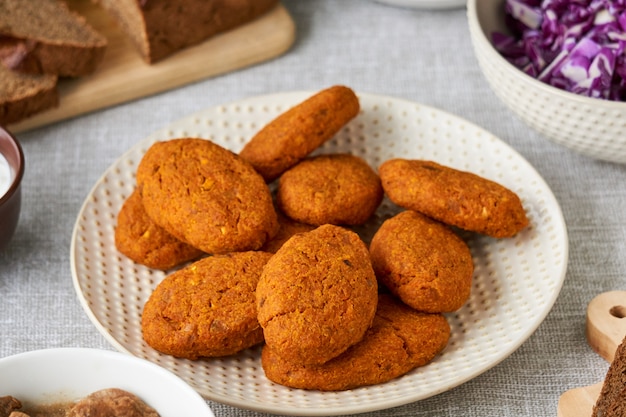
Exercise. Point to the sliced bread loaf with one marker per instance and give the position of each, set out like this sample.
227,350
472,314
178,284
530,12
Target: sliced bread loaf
158,28
22,95
45,36
612,399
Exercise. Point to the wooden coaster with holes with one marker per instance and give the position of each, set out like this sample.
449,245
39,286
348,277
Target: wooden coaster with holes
606,328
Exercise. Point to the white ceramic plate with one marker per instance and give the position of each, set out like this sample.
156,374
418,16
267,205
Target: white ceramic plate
516,280
426,4
51,376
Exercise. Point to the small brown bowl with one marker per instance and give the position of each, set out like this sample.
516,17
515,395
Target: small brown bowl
11,200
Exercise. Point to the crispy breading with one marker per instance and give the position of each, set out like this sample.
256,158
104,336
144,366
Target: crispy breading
297,132
206,309
317,295
141,240
400,340
206,196
454,197
423,262
339,189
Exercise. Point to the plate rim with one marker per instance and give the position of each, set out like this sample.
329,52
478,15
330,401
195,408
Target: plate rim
346,409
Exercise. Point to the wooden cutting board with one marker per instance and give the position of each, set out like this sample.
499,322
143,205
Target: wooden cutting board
123,76
606,328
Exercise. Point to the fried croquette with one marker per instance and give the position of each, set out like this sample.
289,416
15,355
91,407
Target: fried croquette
454,197
141,240
400,340
340,189
423,262
317,295
296,133
286,229
206,309
206,196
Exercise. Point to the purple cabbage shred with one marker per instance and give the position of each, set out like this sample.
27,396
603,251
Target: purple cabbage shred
574,45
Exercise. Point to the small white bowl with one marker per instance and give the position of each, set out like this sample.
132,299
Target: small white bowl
592,127
67,374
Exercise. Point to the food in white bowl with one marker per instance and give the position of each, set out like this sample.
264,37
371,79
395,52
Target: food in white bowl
68,375
575,46
110,402
588,125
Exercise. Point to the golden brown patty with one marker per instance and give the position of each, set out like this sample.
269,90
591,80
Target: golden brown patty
300,130
286,229
207,308
206,196
110,402
454,197
140,239
330,189
401,339
423,262
317,295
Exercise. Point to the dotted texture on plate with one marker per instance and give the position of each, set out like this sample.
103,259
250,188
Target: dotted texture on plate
515,283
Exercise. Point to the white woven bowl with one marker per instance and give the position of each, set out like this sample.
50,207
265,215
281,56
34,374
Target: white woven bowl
593,127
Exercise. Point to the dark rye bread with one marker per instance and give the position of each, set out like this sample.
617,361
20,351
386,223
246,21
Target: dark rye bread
22,95
612,399
46,37
158,28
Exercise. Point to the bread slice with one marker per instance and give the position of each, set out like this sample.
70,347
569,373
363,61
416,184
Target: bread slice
45,36
22,95
612,399
158,28
618,407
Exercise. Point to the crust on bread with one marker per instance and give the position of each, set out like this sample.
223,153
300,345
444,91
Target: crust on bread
23,95
154,26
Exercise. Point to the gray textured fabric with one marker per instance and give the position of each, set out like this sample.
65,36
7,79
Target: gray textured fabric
424,56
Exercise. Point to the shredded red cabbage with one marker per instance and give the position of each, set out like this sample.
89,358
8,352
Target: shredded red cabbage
574,45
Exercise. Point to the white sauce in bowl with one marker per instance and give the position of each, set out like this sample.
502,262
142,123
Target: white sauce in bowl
5,175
